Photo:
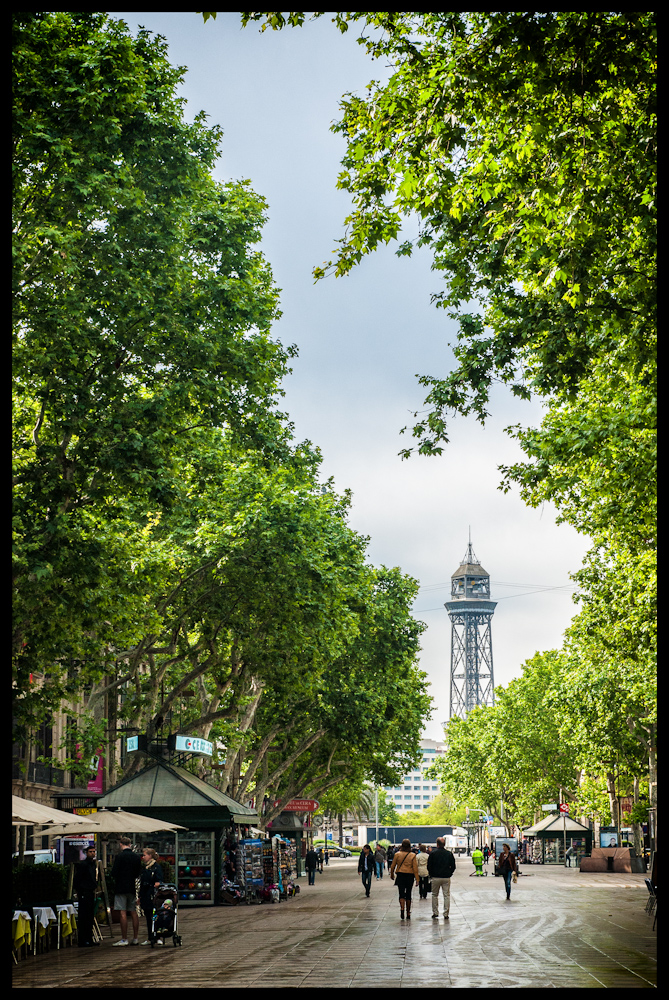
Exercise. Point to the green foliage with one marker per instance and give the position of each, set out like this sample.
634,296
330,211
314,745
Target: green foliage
442,810
548,732
34,885
141,313
524,143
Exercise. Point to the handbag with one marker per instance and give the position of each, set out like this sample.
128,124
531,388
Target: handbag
514,877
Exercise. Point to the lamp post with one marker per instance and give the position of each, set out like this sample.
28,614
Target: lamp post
483,813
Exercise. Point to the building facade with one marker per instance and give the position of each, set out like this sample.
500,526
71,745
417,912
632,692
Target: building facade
417,792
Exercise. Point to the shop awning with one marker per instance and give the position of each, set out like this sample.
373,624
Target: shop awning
25,812
167,786
118,821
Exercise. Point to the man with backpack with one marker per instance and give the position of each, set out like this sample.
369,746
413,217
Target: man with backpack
440,866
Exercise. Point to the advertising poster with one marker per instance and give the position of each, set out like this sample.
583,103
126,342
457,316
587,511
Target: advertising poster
608,840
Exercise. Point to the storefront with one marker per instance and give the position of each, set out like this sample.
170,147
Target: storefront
546,843
205,857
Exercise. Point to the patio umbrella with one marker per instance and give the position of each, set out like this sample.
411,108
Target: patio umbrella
117,821
28,813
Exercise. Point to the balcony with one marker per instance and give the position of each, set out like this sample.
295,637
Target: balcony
39,774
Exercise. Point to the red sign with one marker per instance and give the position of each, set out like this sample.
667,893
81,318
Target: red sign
564,807
300,806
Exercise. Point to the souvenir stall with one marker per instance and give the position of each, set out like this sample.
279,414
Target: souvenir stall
197,855
546,840
290,831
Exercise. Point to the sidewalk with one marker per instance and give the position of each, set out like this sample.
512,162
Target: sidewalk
560,930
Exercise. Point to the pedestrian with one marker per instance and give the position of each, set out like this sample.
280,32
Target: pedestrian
486,854
326,856
507,867
379,860
477,858
404,870
569,855
441,865
366,867
423,874
311,864
389,856
150,876
85,886
125,871
320,860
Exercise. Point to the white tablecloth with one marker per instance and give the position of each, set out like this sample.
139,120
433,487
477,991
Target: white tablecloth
43,915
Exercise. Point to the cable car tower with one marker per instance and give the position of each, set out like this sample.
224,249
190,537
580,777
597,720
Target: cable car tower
470,610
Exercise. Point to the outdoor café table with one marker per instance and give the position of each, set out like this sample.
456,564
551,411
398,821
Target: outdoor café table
43,916
21,927
67,920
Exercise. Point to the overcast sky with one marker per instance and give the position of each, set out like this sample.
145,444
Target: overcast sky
363,339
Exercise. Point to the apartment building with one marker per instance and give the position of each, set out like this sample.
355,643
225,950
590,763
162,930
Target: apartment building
416,791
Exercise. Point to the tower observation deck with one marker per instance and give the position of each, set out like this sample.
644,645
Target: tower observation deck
470,610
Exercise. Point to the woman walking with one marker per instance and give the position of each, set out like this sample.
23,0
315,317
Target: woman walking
150,876
507,867
422,859
404,870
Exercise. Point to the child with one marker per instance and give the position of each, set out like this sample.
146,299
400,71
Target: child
164,925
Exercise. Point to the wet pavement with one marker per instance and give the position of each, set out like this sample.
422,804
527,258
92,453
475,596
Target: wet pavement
561,929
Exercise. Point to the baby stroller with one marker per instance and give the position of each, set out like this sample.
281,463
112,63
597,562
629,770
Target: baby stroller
165,915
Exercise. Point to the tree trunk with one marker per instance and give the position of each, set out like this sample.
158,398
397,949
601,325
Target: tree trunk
652,788
636,827
613,799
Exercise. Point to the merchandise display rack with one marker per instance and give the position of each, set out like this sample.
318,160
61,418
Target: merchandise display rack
195,851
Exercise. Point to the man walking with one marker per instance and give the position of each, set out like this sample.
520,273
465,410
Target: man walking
126,870
366,867
440,866
311,864
379,860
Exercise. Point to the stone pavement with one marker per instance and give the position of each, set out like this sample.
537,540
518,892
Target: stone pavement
559,930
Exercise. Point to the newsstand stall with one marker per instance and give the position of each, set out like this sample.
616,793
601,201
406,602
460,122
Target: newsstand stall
546,840
214,822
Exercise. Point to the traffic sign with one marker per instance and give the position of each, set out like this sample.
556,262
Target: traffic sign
564,807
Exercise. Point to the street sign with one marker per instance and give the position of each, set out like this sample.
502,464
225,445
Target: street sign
549,807
300,805
191,744
564,807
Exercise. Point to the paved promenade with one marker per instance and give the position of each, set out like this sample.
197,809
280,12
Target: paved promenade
560,930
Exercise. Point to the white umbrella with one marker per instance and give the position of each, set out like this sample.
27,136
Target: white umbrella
118,821
28,813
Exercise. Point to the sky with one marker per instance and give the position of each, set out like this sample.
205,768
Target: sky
364,338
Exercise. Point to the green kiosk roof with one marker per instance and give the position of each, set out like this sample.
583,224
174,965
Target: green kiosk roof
167,786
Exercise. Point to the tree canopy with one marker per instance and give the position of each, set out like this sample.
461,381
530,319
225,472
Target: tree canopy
177,563
524,144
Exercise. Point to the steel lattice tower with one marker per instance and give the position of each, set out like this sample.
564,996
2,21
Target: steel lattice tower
470,610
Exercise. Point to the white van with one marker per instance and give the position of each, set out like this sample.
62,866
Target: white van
37,857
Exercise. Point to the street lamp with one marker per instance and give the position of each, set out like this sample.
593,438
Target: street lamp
483,813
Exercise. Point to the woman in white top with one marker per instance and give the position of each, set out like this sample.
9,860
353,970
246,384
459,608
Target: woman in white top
423,875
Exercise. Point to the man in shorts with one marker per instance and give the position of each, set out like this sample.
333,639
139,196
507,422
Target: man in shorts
125,870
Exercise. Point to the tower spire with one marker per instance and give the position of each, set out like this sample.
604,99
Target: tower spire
470,611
